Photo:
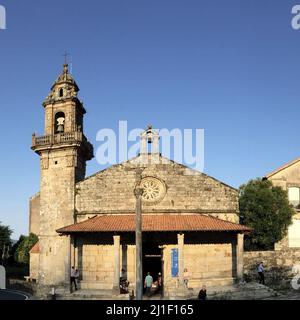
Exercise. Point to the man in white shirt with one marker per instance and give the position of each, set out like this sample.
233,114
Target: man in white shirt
73,278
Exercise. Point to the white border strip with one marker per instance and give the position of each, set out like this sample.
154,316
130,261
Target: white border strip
18,293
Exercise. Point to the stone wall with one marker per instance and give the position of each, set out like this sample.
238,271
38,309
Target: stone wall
58,177
288,177
98,266
207,264
34,266
34,218
95,260
278,266
187,191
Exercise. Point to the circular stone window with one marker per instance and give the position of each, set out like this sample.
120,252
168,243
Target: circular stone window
154,190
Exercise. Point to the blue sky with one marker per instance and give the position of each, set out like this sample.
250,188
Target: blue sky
230,67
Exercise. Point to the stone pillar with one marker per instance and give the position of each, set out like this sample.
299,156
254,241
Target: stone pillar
116,285
144,150
180,238
155,150
240,257
144,145
155,145
79,259
124,263
139,243
73,252
68,262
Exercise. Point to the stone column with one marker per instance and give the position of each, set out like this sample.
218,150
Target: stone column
116,285
180,238
155,145
144,145
144,150
240,257
68,262
73,252
79,258
138,244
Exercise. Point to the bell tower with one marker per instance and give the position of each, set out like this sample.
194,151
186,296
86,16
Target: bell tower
63,151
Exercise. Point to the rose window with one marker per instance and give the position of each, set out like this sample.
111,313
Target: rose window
154,189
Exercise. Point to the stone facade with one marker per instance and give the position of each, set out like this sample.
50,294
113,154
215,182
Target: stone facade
34,266
34,217
207,264
96,263
111,191
288,177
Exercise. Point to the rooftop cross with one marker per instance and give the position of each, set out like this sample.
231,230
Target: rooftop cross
66,57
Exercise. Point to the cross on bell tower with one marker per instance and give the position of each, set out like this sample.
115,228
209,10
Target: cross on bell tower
66,55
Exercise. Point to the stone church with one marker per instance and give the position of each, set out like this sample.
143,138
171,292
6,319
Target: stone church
189,220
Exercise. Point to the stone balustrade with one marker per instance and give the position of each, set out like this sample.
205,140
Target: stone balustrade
67,137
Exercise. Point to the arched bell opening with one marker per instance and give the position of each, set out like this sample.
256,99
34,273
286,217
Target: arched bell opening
61,92
59,123
149,141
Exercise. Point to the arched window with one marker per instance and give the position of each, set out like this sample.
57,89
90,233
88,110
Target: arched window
59,123
61,92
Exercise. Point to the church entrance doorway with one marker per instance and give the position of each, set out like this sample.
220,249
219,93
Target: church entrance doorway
152,262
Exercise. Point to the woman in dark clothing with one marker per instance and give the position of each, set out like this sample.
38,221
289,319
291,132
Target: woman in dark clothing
202,294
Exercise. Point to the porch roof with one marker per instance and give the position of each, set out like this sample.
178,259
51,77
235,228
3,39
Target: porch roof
35,248
154,223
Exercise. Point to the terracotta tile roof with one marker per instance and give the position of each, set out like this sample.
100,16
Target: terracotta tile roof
282,168
35,248
151,223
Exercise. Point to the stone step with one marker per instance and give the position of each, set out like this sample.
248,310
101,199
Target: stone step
78,298
93,295
251,291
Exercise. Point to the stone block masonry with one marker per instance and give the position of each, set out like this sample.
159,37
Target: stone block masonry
278,265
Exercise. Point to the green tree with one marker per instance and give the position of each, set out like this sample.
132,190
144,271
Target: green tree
25,244
16,246
5,233
5,243
266,209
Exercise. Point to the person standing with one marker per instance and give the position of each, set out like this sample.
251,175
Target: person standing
159,282
148,284
73,279
124,284
261,273
202,294
186,277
